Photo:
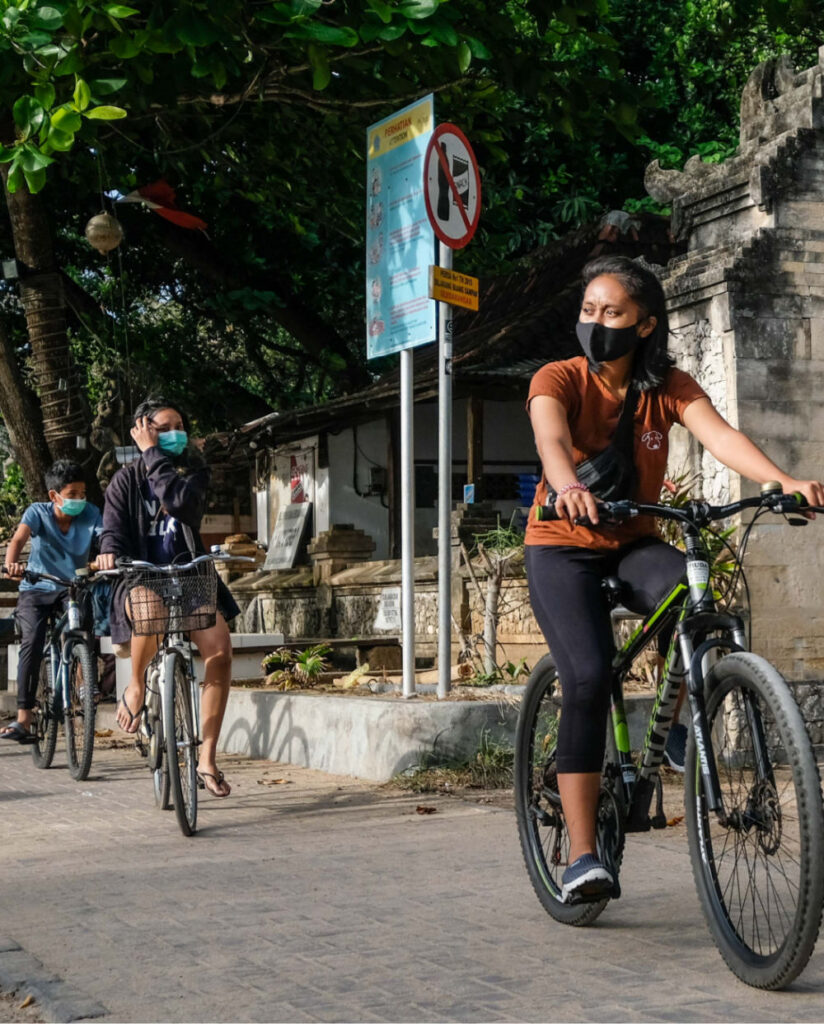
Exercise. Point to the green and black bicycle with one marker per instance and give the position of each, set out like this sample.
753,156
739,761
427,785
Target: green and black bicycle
752,792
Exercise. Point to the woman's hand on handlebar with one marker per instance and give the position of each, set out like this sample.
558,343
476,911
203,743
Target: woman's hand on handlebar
813,491
577,504
103,562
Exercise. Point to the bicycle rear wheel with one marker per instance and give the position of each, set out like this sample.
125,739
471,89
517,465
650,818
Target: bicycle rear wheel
46,716
79,716
541,824
760,870
180,742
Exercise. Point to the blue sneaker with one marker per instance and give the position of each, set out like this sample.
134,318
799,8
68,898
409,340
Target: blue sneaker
586,879
675,752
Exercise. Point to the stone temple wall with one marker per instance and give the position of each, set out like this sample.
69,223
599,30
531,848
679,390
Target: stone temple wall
747,313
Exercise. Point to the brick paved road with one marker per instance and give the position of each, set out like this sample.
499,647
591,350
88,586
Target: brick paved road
323,900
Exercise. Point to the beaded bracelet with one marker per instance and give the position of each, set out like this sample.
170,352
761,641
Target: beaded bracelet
577,486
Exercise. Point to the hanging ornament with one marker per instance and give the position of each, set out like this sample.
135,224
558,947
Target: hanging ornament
104,232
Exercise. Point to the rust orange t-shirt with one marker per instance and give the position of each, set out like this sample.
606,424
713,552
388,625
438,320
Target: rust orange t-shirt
592,414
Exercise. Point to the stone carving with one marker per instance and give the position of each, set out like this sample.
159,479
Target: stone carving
664,186
771,79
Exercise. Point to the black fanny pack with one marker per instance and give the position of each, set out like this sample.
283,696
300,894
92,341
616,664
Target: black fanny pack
610,475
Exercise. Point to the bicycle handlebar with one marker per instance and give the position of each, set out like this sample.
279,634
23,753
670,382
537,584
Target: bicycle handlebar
694,513
126,564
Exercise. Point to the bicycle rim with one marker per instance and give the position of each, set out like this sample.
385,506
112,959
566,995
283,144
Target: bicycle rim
79,716
541,826
46,716
180,743
759,874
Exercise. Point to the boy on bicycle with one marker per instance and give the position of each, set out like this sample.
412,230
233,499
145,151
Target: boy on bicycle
62,532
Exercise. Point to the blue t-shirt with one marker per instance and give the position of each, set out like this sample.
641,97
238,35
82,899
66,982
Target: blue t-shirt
56,552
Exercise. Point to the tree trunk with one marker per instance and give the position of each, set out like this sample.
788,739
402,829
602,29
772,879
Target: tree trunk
22,419
59,387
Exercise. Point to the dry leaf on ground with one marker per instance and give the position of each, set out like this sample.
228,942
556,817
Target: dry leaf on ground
422,809
28,1001
273,782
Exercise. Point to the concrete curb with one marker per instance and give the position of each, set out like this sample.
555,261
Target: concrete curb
373,737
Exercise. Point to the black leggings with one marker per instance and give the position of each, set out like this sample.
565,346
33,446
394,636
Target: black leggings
567,600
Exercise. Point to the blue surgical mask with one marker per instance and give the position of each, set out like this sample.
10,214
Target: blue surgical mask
72,506
172,442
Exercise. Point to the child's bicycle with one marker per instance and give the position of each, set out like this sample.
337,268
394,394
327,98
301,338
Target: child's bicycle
171,601
67,684
752,791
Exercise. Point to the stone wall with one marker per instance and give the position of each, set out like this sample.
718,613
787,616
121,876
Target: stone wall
747,313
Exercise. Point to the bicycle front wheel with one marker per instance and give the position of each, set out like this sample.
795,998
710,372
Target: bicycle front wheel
79,716
541,825
46,716
180,742
759,865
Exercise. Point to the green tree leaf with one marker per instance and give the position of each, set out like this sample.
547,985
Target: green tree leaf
82,94
382,9
16,179
120,11
28,115
44,94
105,113
31,159
326,34
66,119
464,55
419,8
321,75
60,140
124,46
49,18
106,86
35,179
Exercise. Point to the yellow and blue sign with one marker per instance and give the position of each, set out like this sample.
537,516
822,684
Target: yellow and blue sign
400,242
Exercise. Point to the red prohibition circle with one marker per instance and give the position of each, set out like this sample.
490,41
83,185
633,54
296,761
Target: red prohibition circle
441,130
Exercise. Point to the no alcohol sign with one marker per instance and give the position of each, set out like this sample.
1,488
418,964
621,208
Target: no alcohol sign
452,186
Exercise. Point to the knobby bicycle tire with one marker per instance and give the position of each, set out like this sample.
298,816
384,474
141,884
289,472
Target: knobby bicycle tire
760,876
541,825
180,742
46,716
79,716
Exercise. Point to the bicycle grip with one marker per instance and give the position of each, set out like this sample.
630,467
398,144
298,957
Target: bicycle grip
544,513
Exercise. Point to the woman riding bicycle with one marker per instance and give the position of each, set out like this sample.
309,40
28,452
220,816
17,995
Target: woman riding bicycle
575,408
152,512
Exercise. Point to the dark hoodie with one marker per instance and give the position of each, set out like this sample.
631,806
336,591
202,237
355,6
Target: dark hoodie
180,486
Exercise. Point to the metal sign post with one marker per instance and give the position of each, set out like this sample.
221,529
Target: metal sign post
398,310
452,187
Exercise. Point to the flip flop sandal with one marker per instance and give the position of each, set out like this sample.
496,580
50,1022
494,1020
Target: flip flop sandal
15,732
218,780
134,716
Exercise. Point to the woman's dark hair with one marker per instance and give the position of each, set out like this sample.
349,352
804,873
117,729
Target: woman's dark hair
153,403
651,357
63,472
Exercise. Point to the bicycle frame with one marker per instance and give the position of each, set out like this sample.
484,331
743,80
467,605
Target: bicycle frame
61,638
693,615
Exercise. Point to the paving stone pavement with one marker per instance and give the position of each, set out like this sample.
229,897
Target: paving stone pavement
327,899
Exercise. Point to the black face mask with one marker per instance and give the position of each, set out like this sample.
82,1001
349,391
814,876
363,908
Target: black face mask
603,344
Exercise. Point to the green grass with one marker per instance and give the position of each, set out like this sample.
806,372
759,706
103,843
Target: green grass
490,767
